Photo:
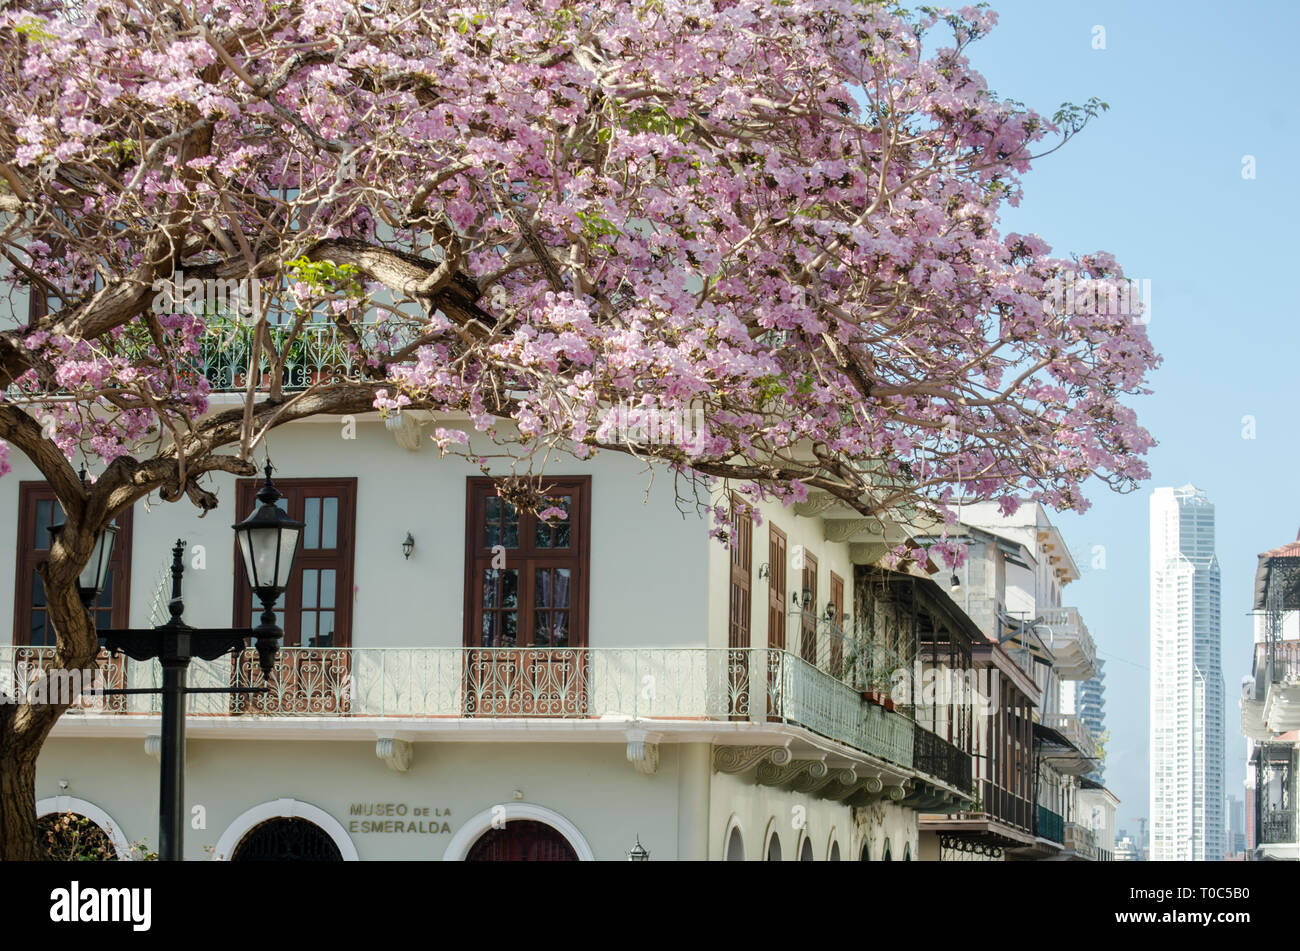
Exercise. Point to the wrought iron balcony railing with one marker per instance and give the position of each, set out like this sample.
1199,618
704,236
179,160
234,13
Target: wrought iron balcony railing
935,756
755,684
863,664
1049,825
1276,826
317,354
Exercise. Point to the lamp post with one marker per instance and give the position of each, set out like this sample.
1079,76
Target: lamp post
268,541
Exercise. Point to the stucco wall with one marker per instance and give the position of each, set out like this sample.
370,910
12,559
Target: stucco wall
649,562
590,784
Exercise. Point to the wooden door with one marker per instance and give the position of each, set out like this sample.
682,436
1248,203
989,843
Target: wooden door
776,616
522,841
740,609
34,636
836,627
526,603
313,673
808,610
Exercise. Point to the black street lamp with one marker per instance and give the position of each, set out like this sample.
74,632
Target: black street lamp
268,540
268,543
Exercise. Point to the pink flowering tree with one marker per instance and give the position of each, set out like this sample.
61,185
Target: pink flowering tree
753,243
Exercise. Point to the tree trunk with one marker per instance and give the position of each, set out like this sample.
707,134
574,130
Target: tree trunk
26,721
17,794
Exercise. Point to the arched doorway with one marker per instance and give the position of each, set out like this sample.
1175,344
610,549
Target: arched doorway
90,819
774,848
735,845
835,853
523,840
805,851
72,837
286,839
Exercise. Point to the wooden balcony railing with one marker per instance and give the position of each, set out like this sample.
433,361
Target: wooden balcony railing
1049,825
1006,806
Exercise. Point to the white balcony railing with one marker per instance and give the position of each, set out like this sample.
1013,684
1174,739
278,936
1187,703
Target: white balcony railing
1070,643
1074,729
722,684
1081,840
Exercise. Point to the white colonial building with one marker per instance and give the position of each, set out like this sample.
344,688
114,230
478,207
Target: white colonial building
1033,748
461,680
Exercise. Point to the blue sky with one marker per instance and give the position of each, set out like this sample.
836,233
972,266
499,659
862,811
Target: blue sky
1193,88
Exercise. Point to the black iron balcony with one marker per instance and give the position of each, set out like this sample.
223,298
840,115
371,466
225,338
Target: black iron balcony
937,757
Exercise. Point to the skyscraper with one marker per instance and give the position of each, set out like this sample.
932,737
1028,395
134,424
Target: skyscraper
1092,708
1187,792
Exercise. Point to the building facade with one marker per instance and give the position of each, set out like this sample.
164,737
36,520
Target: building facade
1187,726
1033,748
507,687
1270,710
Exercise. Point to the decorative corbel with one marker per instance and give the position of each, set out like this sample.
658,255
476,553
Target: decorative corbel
398,754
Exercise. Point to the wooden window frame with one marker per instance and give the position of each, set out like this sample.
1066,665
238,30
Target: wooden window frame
740,603
577,558
26,559
346,487
777,586
837,633
807,617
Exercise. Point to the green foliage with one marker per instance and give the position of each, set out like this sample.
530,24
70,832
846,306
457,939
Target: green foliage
69,837
32,29
326,276
1072,117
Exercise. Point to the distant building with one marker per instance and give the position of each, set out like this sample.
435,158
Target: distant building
1126,850
1187,791
1091,707
1236,826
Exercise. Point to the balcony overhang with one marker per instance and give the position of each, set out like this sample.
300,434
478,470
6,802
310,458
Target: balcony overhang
1281,707
980,833
1253,725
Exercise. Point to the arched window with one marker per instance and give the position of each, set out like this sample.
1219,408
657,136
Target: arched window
907,852
735,845
865,854
286,839
522,841
835,853
805,852
72,837
774,848
887,856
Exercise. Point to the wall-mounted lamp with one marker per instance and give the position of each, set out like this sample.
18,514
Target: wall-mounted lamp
764,570
408,545
830,610
808,599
